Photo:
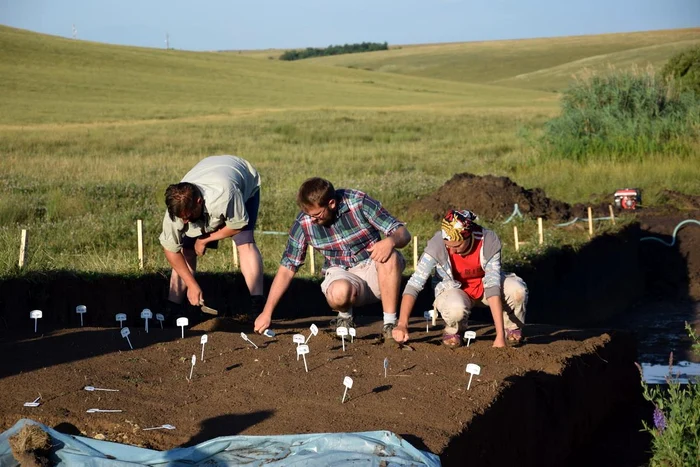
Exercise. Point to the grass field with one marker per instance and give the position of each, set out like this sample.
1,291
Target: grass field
91,134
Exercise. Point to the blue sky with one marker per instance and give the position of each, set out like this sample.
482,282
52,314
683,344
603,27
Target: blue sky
261,24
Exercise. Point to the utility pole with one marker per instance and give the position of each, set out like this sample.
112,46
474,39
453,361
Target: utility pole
167,41
75,32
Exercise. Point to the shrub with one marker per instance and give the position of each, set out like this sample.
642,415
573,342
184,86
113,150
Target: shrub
684,69
333,50
676,430
620,115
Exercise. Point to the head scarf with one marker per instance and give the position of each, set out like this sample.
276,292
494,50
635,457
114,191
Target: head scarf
457,225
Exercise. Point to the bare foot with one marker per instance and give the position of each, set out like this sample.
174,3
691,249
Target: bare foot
499,342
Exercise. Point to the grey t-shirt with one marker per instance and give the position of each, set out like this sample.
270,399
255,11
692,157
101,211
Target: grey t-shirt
226,183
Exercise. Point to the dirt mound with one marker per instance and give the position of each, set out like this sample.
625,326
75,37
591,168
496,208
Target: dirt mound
30,446
492,197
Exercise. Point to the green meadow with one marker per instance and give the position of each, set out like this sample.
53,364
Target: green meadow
92,134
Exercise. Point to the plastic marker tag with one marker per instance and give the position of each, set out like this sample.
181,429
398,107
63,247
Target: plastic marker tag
203,340
121,317
92,388
352,333
469,335
269,333
146,314
81,309
194,360
245,338
342,331
386,365
298,339
472,369
303,350
35,315
433,315
347,382
160,318
125,333
162,427
314,332
427,315
33,404
182,322
101,410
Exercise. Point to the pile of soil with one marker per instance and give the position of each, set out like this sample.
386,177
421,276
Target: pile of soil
559,386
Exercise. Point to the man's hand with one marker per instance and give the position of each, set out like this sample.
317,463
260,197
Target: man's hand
200,246
400,333
382,250
194,295
262,322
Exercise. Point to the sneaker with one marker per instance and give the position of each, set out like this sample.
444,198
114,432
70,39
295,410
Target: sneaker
386,333
342,322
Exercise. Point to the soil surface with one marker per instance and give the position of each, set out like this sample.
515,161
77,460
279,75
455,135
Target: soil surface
238,389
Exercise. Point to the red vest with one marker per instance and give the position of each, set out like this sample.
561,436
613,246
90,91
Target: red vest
467,269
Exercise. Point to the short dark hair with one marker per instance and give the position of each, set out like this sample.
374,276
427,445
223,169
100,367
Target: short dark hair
181,199
315,191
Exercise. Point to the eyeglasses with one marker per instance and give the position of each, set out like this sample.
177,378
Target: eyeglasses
319,215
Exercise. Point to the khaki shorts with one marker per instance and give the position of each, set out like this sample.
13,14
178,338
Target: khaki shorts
363,278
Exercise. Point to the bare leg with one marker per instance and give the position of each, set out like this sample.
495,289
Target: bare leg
389,275
341,295
178,290
251,267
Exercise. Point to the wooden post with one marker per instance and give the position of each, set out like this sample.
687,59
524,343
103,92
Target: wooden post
235,254
612,213
139,234
515,235
312,263
540,230
590,221
415,252
22,247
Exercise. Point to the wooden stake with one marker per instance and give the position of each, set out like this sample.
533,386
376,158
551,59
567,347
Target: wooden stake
540,230
22,247
590,221
515,235
312,262
415,252
612,213
235,254
139,234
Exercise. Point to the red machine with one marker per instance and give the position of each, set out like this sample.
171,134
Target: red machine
628,198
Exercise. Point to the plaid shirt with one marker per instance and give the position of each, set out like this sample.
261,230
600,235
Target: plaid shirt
359,220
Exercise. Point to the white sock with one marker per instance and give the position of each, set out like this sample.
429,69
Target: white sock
389,318
344,314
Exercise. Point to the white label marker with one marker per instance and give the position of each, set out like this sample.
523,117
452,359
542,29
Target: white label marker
386,365
352,333
203,341
245,338
194,360
146,314
102,410
269,333
427,315
160,318
472,369
162,427
347,382
36,402
314,332
342,331
125,333
302,350
298,339
121,317
182,322
469,335
92,388
81,310
35,315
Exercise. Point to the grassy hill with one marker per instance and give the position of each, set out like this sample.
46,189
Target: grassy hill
52,79
545,64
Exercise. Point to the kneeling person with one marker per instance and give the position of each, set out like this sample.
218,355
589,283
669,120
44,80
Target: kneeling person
467,260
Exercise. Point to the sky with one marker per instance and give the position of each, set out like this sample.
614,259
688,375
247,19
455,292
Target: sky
263,24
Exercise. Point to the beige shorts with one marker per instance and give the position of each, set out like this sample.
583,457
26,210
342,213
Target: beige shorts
363,277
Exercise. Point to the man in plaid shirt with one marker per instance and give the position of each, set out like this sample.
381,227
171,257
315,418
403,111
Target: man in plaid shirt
360,267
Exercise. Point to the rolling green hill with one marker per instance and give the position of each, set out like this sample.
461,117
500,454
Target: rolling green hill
52,79
545,64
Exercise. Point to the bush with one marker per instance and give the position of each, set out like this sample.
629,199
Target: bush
684,69
333,50
620,115
676,430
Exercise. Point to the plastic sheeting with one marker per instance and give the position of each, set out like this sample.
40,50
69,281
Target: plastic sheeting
371,448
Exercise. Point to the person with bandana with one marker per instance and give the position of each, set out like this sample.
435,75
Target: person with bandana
360,266
467,260
217,199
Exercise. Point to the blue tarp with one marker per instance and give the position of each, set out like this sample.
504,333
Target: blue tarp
371,448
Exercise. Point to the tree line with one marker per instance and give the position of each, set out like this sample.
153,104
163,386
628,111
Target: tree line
333,50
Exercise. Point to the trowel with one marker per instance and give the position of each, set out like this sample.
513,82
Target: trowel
208,310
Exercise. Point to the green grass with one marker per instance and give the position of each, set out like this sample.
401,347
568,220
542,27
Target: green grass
91,134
